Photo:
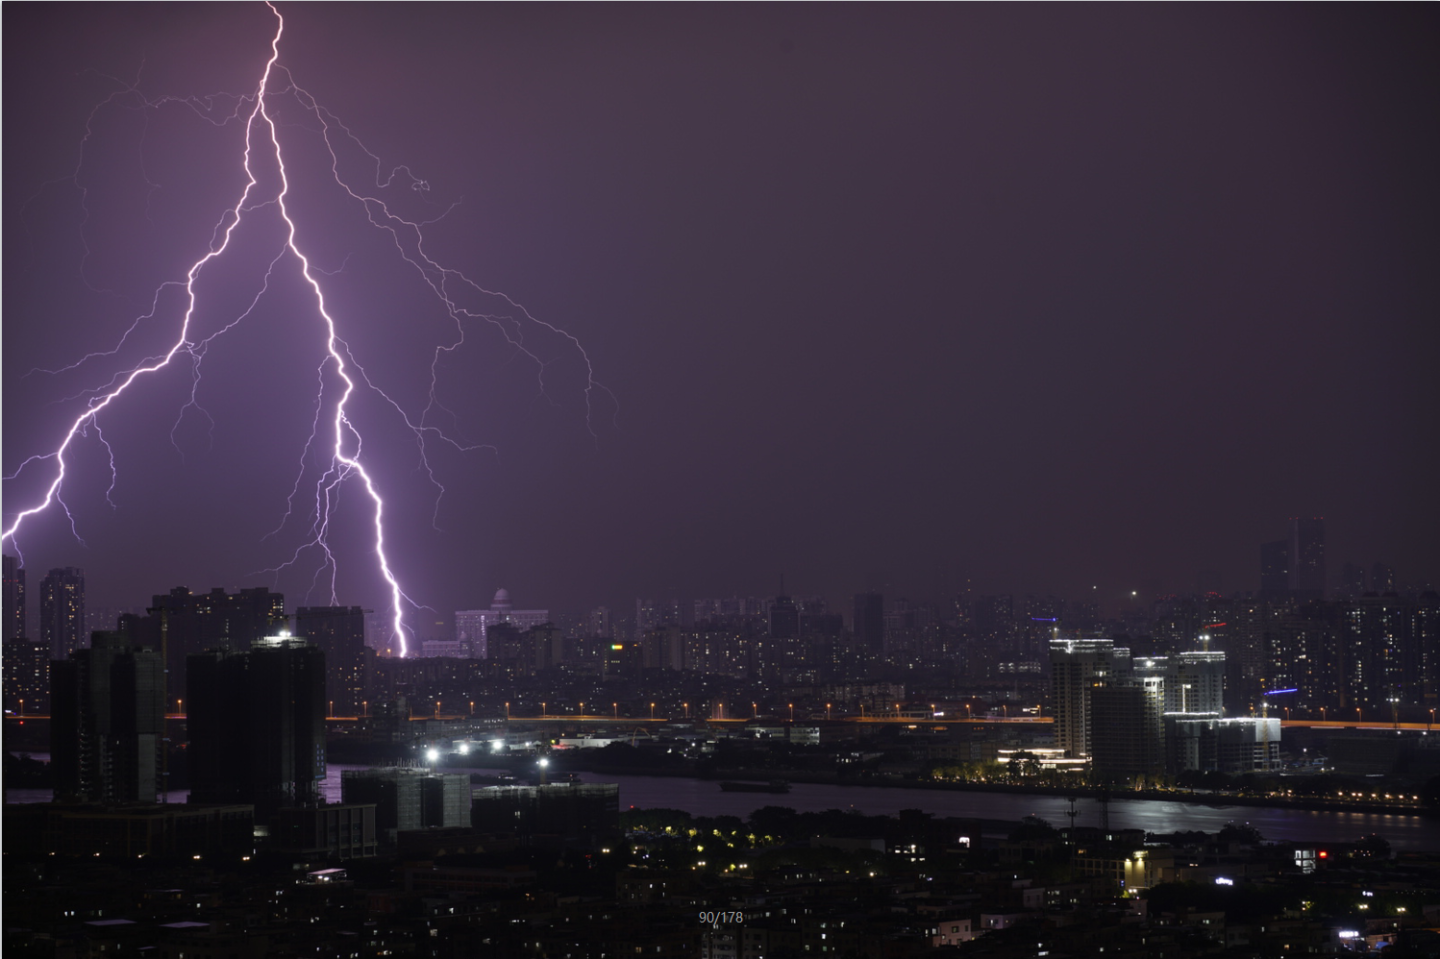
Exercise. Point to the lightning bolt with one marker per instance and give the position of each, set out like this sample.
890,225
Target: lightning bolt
336,431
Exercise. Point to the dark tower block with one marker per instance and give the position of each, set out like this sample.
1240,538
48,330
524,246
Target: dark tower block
257,725
1307,557
181,624
1274,569
869,624
107,722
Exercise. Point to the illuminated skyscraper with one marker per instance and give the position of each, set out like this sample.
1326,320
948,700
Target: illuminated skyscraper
62,611
1077,668
1195,683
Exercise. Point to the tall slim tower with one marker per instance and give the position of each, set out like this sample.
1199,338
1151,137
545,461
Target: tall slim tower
1274,569
62,611
1307,557
14,624
869,624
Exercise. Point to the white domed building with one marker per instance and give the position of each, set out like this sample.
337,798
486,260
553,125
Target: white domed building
471,624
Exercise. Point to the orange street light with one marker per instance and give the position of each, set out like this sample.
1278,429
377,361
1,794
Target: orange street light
616,707
792,712
827,711
652,710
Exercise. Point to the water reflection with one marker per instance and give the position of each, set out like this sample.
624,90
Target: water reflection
704,798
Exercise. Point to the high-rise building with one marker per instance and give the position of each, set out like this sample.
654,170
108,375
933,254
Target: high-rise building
1383,663
1077,668
257,725
1195,683
784,618
339,632
654,613
107,726
1120,742
181,624
1274,569
62,611
472,625
14,623
600,622
1307,557
869,624
26,667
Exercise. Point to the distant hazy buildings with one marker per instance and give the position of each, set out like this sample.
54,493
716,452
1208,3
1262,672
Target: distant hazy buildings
13,626
869,624
1274,569
62,611
654,613
1307,557
472,627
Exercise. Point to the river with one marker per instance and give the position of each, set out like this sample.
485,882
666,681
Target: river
705,798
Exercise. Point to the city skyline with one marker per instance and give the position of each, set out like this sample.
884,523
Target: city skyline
891,300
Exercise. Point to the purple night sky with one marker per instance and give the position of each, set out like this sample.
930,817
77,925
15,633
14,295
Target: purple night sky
1042,297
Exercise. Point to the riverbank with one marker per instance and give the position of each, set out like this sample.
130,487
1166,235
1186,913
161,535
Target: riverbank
577,762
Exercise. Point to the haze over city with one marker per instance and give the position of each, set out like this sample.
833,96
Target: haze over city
1041,299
